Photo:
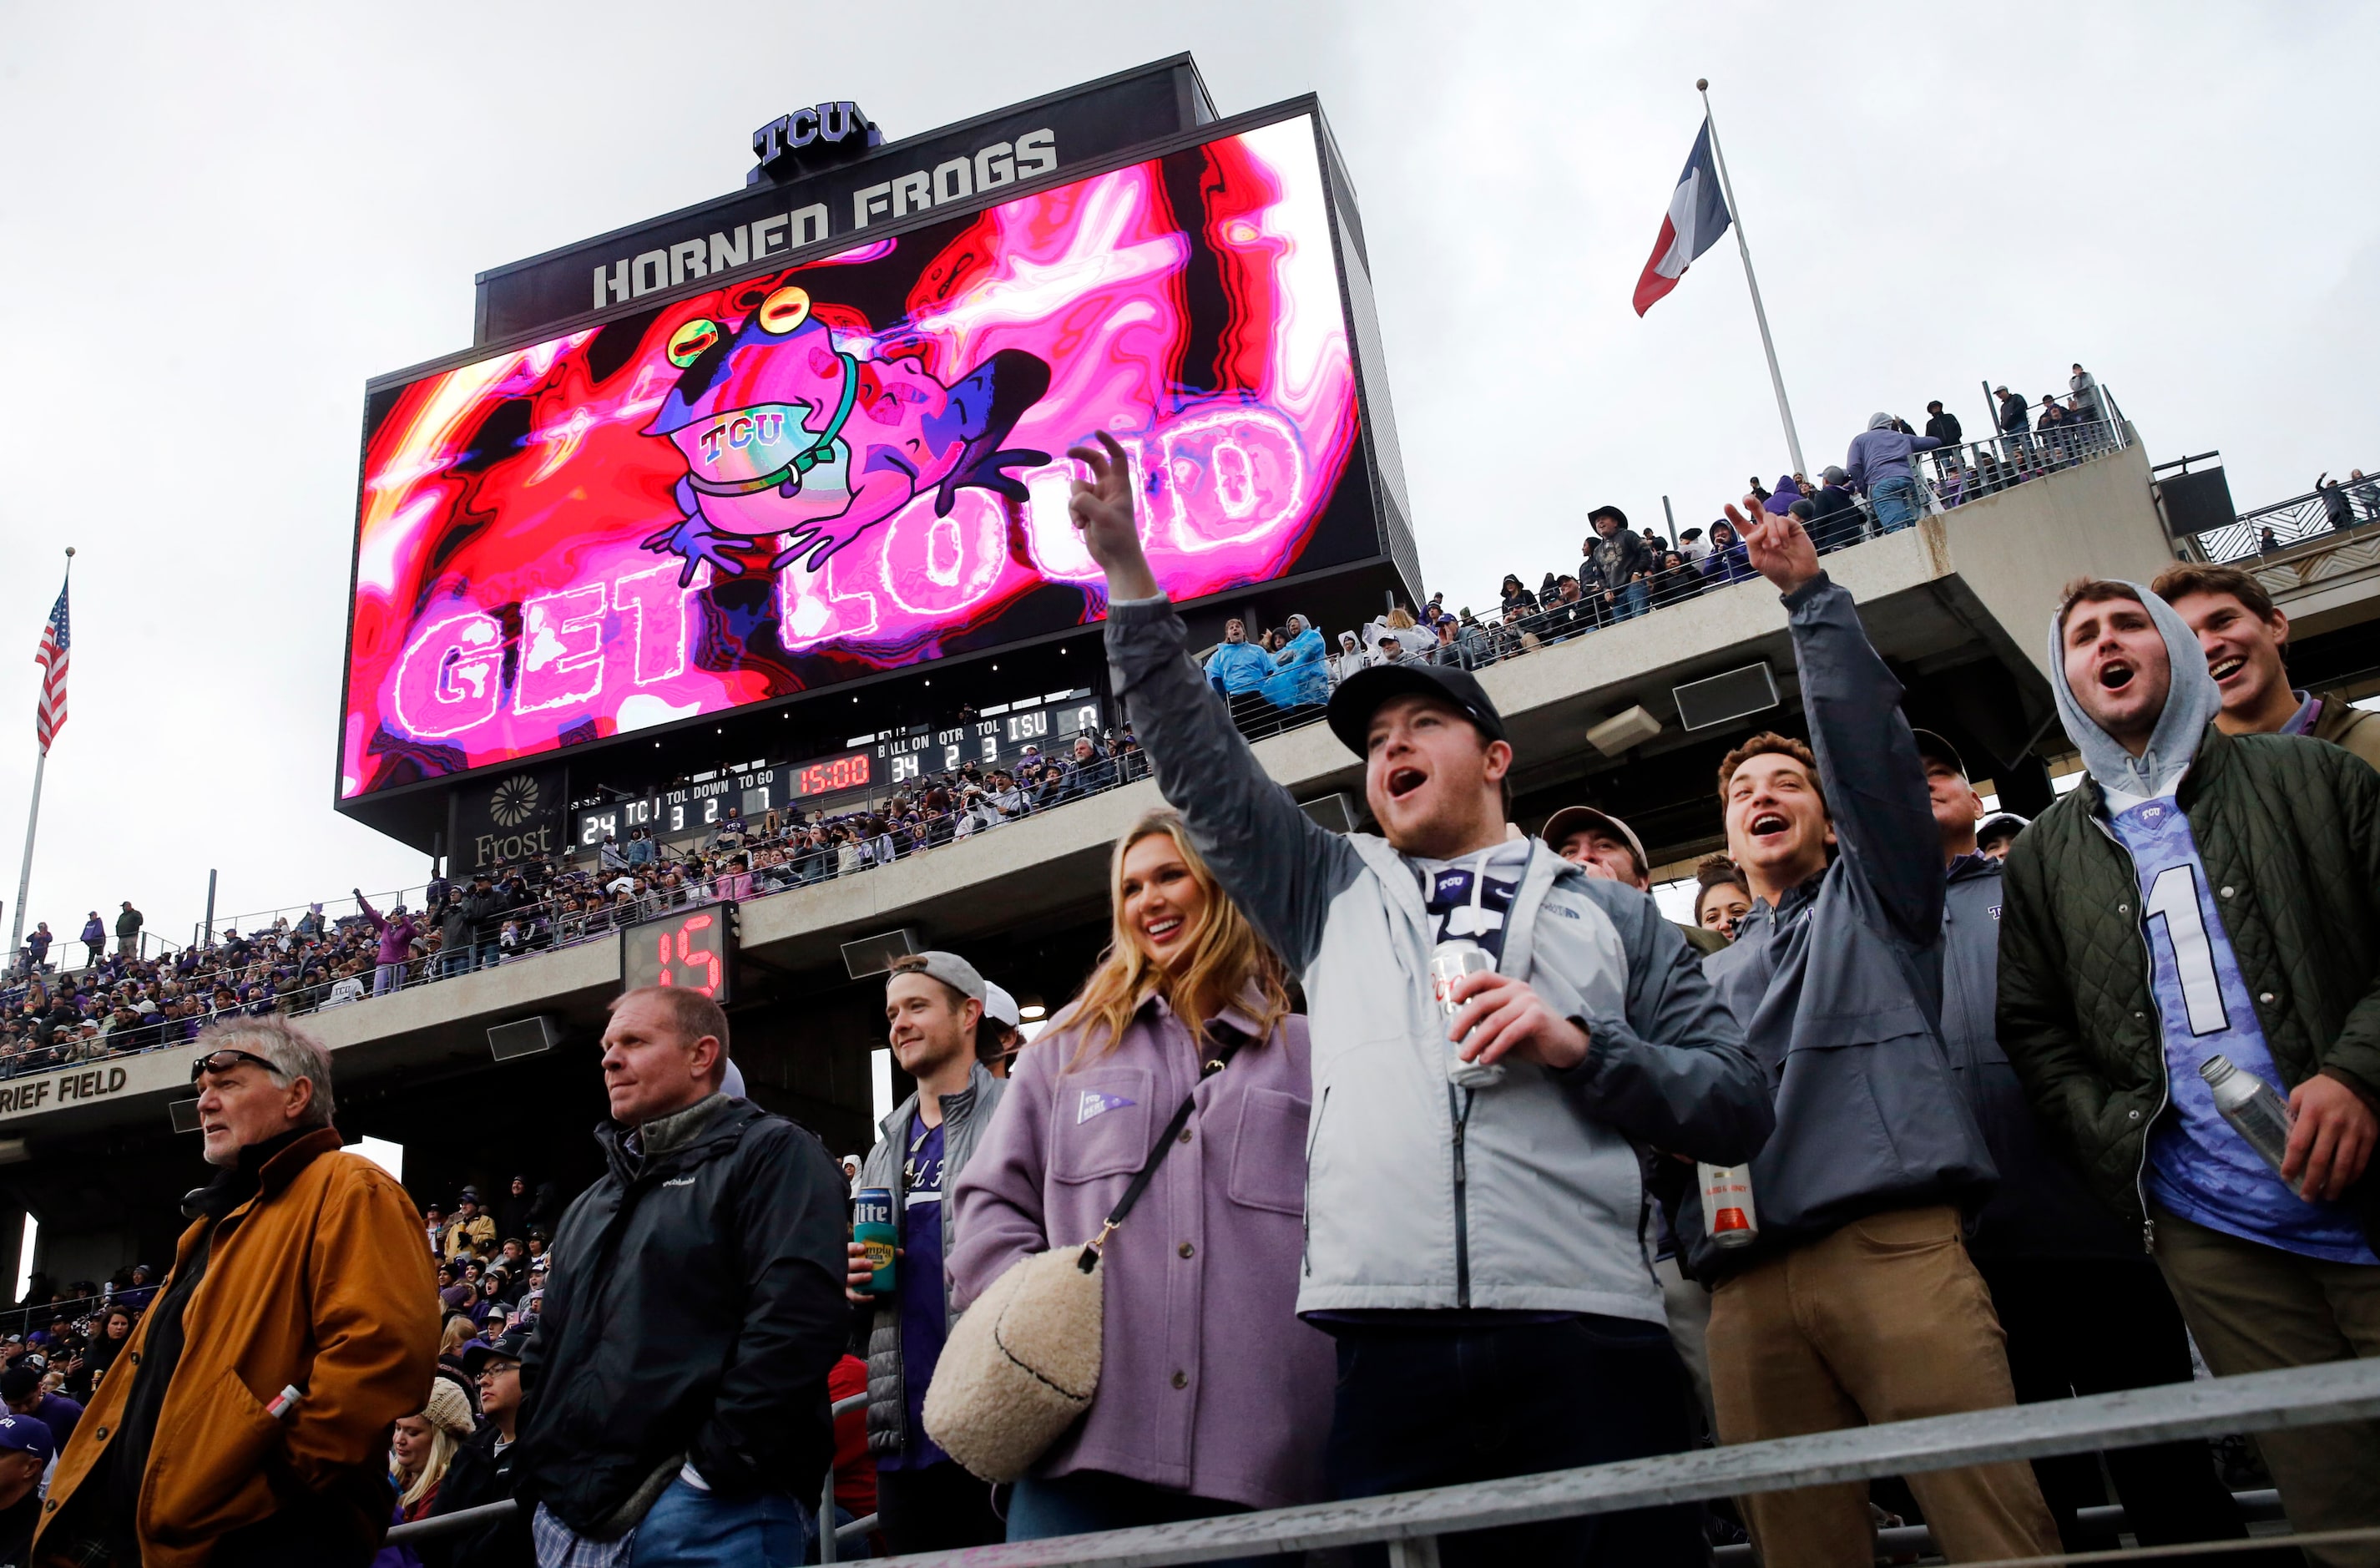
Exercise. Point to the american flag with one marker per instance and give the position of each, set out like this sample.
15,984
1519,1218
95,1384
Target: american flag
51,716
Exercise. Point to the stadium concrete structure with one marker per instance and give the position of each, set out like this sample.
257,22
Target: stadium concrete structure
1956,603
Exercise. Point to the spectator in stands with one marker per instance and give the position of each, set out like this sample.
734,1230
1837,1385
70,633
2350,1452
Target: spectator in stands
2246,638
1237,665
22,1391
25,1453
85,1370
470,1232
1943,425
2051,426
1617,565
2260,857
932,1004
1517,599
94,938
1997,831
356,1329
1351,658
37,945
1000,1033
1835,521
2367,496
676,1383
1727,562
1878,464
1602,845
2336,505
1855,1303
127,931
1301,678
1601,1381
2084,1309
1187,992
397,934
2085,387
1694,547
1721,896
423,1445
1676,581
481,1470
2013,424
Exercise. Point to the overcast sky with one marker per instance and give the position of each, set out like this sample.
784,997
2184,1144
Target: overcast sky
220,221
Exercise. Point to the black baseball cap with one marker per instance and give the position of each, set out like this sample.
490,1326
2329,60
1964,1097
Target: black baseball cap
1361,695
510,1345
1932,748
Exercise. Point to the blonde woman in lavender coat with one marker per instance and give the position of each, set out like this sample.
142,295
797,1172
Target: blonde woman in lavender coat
1213,1397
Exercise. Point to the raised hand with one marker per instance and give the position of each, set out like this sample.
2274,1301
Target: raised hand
1102,507
1778,547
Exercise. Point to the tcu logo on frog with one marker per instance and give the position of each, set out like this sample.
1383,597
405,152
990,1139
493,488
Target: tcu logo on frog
807,140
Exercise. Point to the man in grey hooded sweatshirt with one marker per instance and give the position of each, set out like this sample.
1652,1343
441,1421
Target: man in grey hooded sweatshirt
2203,896
1878,463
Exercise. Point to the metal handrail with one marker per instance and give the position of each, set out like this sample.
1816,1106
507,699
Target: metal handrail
496,1513
1412,1522
2318,517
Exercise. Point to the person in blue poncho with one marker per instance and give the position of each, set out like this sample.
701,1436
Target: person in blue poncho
1237,664
1299,676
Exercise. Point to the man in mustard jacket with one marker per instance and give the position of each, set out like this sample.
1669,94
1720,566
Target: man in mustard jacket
302,1268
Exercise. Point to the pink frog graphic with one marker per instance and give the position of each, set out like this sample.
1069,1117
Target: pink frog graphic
785,432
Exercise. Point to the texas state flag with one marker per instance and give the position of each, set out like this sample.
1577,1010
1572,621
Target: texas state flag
1697,217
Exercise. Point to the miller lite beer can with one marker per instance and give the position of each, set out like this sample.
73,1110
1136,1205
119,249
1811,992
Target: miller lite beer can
1449,963
1727,1213
871,1227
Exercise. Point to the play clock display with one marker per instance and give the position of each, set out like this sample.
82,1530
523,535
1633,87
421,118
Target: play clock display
690,948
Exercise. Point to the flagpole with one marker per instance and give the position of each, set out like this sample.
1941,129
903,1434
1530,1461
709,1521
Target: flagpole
1767,347
33,818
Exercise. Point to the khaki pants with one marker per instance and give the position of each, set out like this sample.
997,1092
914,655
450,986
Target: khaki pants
1887,1319
2253,1308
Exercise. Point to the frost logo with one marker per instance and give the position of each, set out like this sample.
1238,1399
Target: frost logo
514,802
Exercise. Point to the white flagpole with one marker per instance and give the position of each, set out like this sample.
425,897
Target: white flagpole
1776,377
33,818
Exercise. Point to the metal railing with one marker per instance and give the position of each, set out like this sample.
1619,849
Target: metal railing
1413,1523
487,1513
1972,470
2329,515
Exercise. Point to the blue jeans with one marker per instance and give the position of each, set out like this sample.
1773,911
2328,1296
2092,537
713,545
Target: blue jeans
1896,503
1434,1408
687,1528
1629,601
1095,1499
458,961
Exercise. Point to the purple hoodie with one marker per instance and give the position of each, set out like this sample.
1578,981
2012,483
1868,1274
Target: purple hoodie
395,936
1211,1385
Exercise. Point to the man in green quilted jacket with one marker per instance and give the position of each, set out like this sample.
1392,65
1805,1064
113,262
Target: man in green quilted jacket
2204,895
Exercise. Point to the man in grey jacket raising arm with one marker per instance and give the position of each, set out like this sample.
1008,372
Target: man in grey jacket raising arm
1475,1213
1856,1302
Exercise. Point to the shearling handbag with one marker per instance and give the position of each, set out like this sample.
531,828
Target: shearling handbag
1022,1363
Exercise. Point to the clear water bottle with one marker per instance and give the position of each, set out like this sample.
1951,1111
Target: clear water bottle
2253,1107
1729,1218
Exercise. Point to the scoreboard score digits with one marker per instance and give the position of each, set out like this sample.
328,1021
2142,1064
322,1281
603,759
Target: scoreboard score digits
694,949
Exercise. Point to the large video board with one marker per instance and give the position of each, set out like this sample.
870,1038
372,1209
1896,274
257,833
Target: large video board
855,462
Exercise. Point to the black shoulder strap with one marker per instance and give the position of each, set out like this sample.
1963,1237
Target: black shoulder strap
1220,1055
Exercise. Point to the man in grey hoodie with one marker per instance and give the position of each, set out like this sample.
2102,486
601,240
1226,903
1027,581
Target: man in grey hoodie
2203,895
2084,1309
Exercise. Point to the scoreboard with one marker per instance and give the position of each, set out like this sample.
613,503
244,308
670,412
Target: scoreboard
998,736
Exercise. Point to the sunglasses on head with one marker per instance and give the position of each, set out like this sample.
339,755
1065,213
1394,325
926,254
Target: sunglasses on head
225,1061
